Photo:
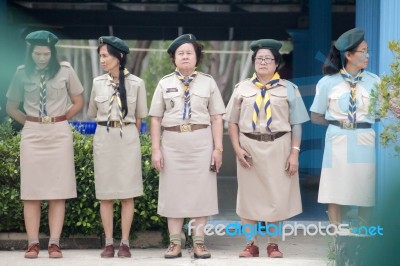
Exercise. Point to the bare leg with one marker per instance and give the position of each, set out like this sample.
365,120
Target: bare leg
127,212
199,224
335,213
106,213
275,234
32,218
365,214
56,217
246,223
175,225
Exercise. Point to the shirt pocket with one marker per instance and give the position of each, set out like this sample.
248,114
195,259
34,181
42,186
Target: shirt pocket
199,100
278,97
131,102
339,102
31,91
363,105
102,103
248,99
56,90
172,100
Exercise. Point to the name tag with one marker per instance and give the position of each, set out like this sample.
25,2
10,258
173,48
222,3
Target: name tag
172,90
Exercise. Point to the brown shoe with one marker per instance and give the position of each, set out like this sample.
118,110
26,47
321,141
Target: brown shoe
273,251
54,252
173,251
201,251
33,251
123,251
108,252
249,251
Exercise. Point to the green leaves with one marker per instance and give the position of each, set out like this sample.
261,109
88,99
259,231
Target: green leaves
82,216
388,98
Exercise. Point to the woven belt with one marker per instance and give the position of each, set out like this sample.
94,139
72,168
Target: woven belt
113,123
349,125
264,137
185,127
46,119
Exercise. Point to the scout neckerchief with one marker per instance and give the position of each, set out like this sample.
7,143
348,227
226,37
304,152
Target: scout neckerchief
116,96
187,110
353,98
42,93
263,97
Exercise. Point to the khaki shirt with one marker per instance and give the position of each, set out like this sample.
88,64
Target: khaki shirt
101,95
63,85
286,104
168,101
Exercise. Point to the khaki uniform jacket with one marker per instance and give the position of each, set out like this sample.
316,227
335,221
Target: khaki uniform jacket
168,101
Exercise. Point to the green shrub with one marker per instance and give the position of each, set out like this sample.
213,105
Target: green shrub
82,215
11,209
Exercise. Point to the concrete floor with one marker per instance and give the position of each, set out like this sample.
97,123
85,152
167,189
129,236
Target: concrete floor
297,250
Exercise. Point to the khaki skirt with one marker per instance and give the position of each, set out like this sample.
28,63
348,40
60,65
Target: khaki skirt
265,191
187,187
47,161
117,163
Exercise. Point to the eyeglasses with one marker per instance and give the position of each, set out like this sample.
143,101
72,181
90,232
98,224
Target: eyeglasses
267,60
365,52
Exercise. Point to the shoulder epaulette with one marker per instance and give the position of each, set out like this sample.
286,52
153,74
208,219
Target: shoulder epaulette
104,76
289,83
65,64
372,75
237,84
204,74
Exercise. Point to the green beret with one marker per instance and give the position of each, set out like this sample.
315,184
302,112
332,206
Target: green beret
265,43
185,38
41,37
349,39
115,42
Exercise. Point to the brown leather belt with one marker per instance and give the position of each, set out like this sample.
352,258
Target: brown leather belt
185,127
264,137
113,123
349,125
46,119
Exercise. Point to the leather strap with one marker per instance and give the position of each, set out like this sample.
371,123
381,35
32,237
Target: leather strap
349,125
185,127
113,123
264,137
46,119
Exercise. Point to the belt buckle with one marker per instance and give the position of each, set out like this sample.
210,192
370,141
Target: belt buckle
46,120
265,137
185,128
347,125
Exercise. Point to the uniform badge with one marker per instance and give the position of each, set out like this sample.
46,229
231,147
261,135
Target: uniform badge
172,90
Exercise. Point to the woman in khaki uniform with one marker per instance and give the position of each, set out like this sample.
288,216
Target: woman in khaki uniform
118,102
184,105
265,115
51,93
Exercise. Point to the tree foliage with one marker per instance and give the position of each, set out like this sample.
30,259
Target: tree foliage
387,98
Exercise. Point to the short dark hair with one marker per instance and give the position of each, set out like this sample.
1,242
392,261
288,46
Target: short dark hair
277,56
198,49
30,65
